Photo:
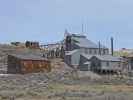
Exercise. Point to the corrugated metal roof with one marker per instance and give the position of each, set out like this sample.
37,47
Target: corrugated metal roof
104,57
71,52
108,58
87,56
28,57
78,35
84,42
87,63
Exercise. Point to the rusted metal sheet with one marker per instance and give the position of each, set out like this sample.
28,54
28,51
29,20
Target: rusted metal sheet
29,66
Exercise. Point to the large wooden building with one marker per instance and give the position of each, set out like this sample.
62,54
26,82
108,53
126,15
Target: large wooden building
86,55
23,64
77,44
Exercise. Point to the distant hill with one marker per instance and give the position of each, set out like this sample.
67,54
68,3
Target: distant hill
123,52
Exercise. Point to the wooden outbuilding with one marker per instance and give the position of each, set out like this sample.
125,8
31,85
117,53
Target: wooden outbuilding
130,62
101,63
23,64
32,45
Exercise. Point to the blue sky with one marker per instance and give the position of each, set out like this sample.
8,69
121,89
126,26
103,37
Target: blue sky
46,20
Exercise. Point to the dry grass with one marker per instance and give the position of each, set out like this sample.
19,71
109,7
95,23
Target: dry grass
107,88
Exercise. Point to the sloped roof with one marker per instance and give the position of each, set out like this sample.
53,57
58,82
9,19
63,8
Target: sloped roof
84,42
87,56
71,52
108,58
87,63
78,35
103,57
28,57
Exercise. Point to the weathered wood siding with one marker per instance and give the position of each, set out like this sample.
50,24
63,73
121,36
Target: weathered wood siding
112,65
21,66
95,64
14,65
82,66
67,60
29,66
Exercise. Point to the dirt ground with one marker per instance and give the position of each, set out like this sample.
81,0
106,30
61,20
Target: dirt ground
41,87
63,83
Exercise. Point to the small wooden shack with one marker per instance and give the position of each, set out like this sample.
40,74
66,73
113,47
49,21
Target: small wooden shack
32,45
130,61
23,64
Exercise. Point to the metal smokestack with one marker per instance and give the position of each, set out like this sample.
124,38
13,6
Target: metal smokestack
112,46
99,47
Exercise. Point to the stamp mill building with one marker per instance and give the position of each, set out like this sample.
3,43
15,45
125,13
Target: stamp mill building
85,55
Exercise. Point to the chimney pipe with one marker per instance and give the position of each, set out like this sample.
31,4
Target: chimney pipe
112,46
99,47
